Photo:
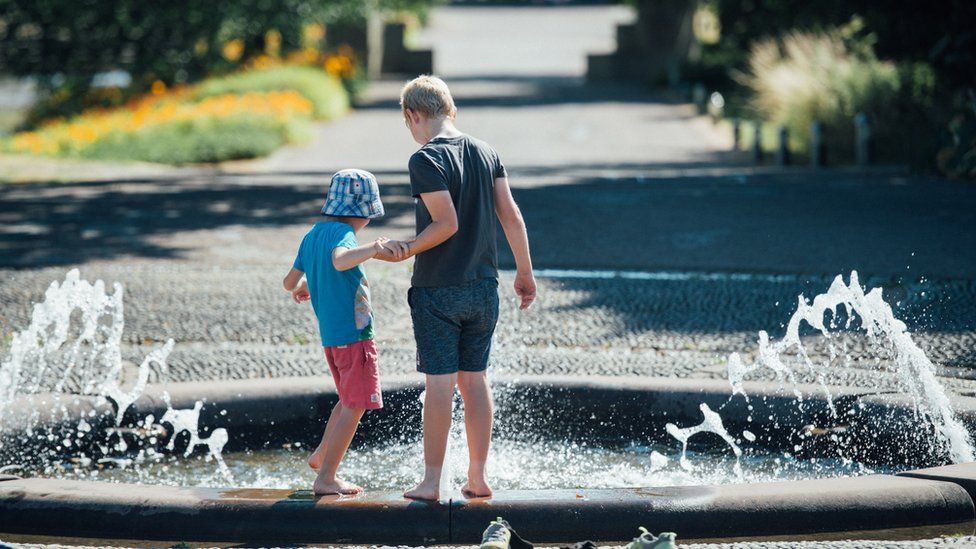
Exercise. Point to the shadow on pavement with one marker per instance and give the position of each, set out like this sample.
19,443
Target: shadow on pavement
807,226
532,91
60,224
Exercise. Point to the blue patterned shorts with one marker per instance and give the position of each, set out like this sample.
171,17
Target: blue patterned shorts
453,325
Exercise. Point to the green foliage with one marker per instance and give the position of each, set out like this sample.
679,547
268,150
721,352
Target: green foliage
65,43
195,141
327,94
941,33
958,158
807,77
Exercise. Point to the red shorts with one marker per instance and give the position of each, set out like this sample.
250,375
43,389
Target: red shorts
355,374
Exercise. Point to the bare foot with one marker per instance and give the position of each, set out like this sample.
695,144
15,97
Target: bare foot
338,486
477,489
315,460
429,491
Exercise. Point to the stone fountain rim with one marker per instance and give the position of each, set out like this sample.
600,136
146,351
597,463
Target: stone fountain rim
910,504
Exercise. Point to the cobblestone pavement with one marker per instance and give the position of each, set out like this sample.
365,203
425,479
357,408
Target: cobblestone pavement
609,177
236,323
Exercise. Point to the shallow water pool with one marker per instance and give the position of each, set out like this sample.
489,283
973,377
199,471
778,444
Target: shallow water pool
512,465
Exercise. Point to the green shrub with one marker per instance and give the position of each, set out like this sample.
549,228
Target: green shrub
195,141
958,158
807,77
327,94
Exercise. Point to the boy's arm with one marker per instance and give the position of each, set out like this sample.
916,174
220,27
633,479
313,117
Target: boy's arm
443,224
514,226
292,279
344,258
296,284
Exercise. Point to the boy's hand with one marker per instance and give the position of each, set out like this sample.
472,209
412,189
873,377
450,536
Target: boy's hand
381,247
300,293
525,289
391,250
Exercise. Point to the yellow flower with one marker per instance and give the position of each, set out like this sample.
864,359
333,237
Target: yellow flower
158,87
233,50
262,61
313,33
201,47
272,42
339,65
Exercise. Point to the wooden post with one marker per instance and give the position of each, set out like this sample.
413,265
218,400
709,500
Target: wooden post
783,148
698,97
736,134
818,149
863,142
757,152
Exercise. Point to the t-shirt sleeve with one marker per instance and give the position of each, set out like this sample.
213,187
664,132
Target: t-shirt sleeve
299,261
425,175
499,168
347,239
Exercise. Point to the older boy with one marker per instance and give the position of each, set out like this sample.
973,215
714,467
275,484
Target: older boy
461,186
329,259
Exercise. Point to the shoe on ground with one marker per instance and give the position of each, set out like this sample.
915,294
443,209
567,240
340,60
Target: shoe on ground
647,540
497,535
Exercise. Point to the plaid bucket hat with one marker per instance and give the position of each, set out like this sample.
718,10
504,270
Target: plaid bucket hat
353,193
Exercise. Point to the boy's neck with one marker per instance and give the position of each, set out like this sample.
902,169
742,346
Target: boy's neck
357,223
441,127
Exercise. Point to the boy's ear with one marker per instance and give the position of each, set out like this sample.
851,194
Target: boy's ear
413,115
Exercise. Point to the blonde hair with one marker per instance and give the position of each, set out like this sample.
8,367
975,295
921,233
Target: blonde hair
429,96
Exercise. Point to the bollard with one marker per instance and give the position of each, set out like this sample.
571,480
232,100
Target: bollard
757,152
716,106
736,134
863,142
698,97
783,149
818,149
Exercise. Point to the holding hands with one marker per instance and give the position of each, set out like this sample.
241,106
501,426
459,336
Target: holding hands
391,250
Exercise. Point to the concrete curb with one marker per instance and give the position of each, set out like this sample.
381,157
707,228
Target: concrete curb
802,510
963,474
258,412
99,510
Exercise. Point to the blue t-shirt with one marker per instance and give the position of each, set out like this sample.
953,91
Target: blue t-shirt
340,298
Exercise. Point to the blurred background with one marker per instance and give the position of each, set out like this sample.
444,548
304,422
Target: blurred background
203,82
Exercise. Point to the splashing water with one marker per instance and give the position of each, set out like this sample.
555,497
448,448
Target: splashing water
712,423
916,373
455,463
72,346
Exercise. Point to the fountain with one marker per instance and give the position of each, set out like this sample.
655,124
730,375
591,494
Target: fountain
72,350
678,450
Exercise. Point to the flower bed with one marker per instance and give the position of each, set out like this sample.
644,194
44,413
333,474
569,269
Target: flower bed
240,116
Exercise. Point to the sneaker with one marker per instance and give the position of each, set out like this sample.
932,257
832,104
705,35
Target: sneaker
647,540
496,536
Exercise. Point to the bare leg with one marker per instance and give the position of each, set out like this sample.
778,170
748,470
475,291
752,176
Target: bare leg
437,427
315,460
339,440
478,411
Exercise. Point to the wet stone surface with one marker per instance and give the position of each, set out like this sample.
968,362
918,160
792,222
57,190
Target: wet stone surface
936,543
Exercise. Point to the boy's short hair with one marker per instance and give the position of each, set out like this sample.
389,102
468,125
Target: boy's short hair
429,96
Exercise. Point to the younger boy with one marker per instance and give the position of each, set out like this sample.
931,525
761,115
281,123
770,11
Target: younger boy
329,259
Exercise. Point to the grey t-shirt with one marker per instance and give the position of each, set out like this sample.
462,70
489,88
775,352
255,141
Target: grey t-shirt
467,168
